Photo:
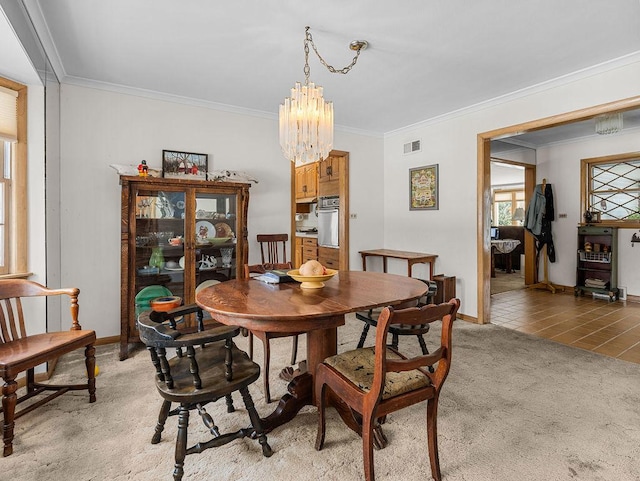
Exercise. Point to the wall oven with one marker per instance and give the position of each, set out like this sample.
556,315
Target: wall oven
328,221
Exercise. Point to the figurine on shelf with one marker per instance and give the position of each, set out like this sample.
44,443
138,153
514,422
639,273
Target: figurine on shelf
143,169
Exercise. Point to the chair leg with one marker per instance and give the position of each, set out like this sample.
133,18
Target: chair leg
322,425
363,336
367,447
294,350
90,363
229,400
251,345
162,418
181,442
256,422
395,339
432,434
425,351
9,400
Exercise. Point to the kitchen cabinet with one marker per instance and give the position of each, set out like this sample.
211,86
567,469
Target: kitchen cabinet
332,176
333,180
306,182
329,257
306,249
597,269
309,249
177,234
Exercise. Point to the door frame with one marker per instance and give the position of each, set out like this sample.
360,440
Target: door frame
484,185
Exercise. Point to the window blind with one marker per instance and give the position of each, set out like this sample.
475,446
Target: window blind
8,115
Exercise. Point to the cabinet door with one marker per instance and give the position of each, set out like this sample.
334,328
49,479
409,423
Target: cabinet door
307,182
329,176
215,229
297,257
311,179
158,246
300,182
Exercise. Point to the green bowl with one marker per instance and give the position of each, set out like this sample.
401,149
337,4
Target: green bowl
218,240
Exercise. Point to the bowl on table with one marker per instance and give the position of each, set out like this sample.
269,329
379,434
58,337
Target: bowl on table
311,282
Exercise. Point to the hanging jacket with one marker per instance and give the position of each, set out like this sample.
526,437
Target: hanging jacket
535,211
540,214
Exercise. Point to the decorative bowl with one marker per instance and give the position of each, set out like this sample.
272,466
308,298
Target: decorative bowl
148,270
164,304
311,282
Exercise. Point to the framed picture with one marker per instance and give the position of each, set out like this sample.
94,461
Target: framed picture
184,165
423,188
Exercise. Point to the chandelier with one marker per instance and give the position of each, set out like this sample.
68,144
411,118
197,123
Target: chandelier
306,119
609,123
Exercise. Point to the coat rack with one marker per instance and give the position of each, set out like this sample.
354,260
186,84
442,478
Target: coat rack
545,283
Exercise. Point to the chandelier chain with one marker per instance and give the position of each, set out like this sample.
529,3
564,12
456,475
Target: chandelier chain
309,40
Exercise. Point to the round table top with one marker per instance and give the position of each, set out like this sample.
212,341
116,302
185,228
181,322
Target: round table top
286,306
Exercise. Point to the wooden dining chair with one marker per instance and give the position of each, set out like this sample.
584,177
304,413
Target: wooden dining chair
370,318
273,247
265,337
20,352
207,367
374,382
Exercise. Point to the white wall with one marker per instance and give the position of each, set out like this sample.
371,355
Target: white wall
35,311
451,231
99,128
560,164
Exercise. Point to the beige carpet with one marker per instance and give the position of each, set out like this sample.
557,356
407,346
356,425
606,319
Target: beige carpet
504,282
514,408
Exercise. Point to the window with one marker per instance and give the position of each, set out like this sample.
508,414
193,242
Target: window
13,174
508,207
612,187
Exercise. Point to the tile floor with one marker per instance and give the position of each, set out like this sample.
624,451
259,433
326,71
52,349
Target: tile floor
608,328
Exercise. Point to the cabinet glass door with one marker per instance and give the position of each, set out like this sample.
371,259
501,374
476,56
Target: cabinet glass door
159,246
215,237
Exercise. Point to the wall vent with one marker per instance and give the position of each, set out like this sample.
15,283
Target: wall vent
411,147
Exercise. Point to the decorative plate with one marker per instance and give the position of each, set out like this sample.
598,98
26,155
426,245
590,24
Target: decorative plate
173,268
223,230
144,297
204,229
181,262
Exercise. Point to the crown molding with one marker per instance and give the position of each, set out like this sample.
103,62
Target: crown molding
603,67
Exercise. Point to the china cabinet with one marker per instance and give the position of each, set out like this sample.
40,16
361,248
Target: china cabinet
176,236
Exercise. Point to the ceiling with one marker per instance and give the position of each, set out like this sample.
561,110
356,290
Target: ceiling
425,58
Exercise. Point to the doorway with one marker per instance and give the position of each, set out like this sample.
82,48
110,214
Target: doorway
484,190
508,209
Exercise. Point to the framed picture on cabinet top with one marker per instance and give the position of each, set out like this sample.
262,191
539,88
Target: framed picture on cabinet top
423,188
184,165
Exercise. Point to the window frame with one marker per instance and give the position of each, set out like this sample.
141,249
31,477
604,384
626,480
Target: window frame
16,233
585,191
513,193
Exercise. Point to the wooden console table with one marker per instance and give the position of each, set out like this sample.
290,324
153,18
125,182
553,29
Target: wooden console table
411,258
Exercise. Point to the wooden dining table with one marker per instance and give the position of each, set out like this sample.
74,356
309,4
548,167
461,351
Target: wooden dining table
286,307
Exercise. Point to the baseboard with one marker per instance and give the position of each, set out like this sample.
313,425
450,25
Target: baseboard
467,318
107,340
